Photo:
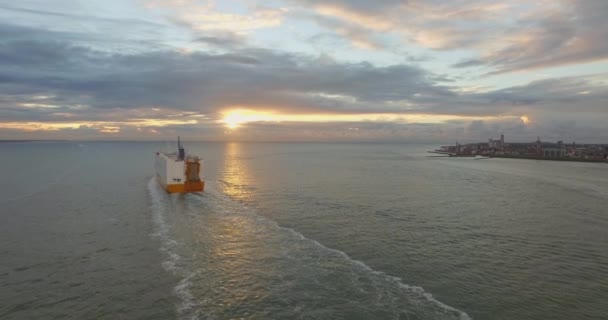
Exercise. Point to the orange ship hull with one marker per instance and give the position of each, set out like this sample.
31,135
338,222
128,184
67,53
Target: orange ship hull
189,186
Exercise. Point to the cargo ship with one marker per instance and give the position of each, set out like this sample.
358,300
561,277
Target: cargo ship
179,172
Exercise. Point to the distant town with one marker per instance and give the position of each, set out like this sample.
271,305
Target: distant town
538,150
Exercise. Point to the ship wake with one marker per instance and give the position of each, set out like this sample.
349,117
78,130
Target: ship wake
243,265
187,307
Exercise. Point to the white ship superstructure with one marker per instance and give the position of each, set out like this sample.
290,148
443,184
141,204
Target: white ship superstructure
179,172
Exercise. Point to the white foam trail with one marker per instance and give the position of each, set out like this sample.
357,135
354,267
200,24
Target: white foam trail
429,297
187,308
396,280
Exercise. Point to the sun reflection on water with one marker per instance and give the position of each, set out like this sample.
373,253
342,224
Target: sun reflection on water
235,177
237,270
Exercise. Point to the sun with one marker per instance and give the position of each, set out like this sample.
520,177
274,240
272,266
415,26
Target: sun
525,119
232,124
234,119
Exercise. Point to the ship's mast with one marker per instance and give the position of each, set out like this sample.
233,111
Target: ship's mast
180,149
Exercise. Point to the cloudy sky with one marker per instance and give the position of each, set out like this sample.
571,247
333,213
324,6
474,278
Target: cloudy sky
353,70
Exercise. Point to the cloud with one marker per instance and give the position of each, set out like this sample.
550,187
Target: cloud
222,39
80,17
508,36
103,32
468,63
63,77
212,20
556,95
359,36
205,81
206,16
573,34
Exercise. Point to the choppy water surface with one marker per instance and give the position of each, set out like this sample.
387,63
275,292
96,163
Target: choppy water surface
310,231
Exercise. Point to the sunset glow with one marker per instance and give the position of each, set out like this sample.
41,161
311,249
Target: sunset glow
234,119
101,126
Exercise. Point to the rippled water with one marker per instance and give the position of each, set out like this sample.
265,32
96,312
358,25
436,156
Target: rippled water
311,231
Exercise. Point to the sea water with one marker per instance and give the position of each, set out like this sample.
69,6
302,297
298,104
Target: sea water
299,231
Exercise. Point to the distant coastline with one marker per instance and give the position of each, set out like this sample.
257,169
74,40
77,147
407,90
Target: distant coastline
551,159
538,150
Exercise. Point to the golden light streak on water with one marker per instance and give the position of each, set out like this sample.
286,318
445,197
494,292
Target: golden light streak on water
235,174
